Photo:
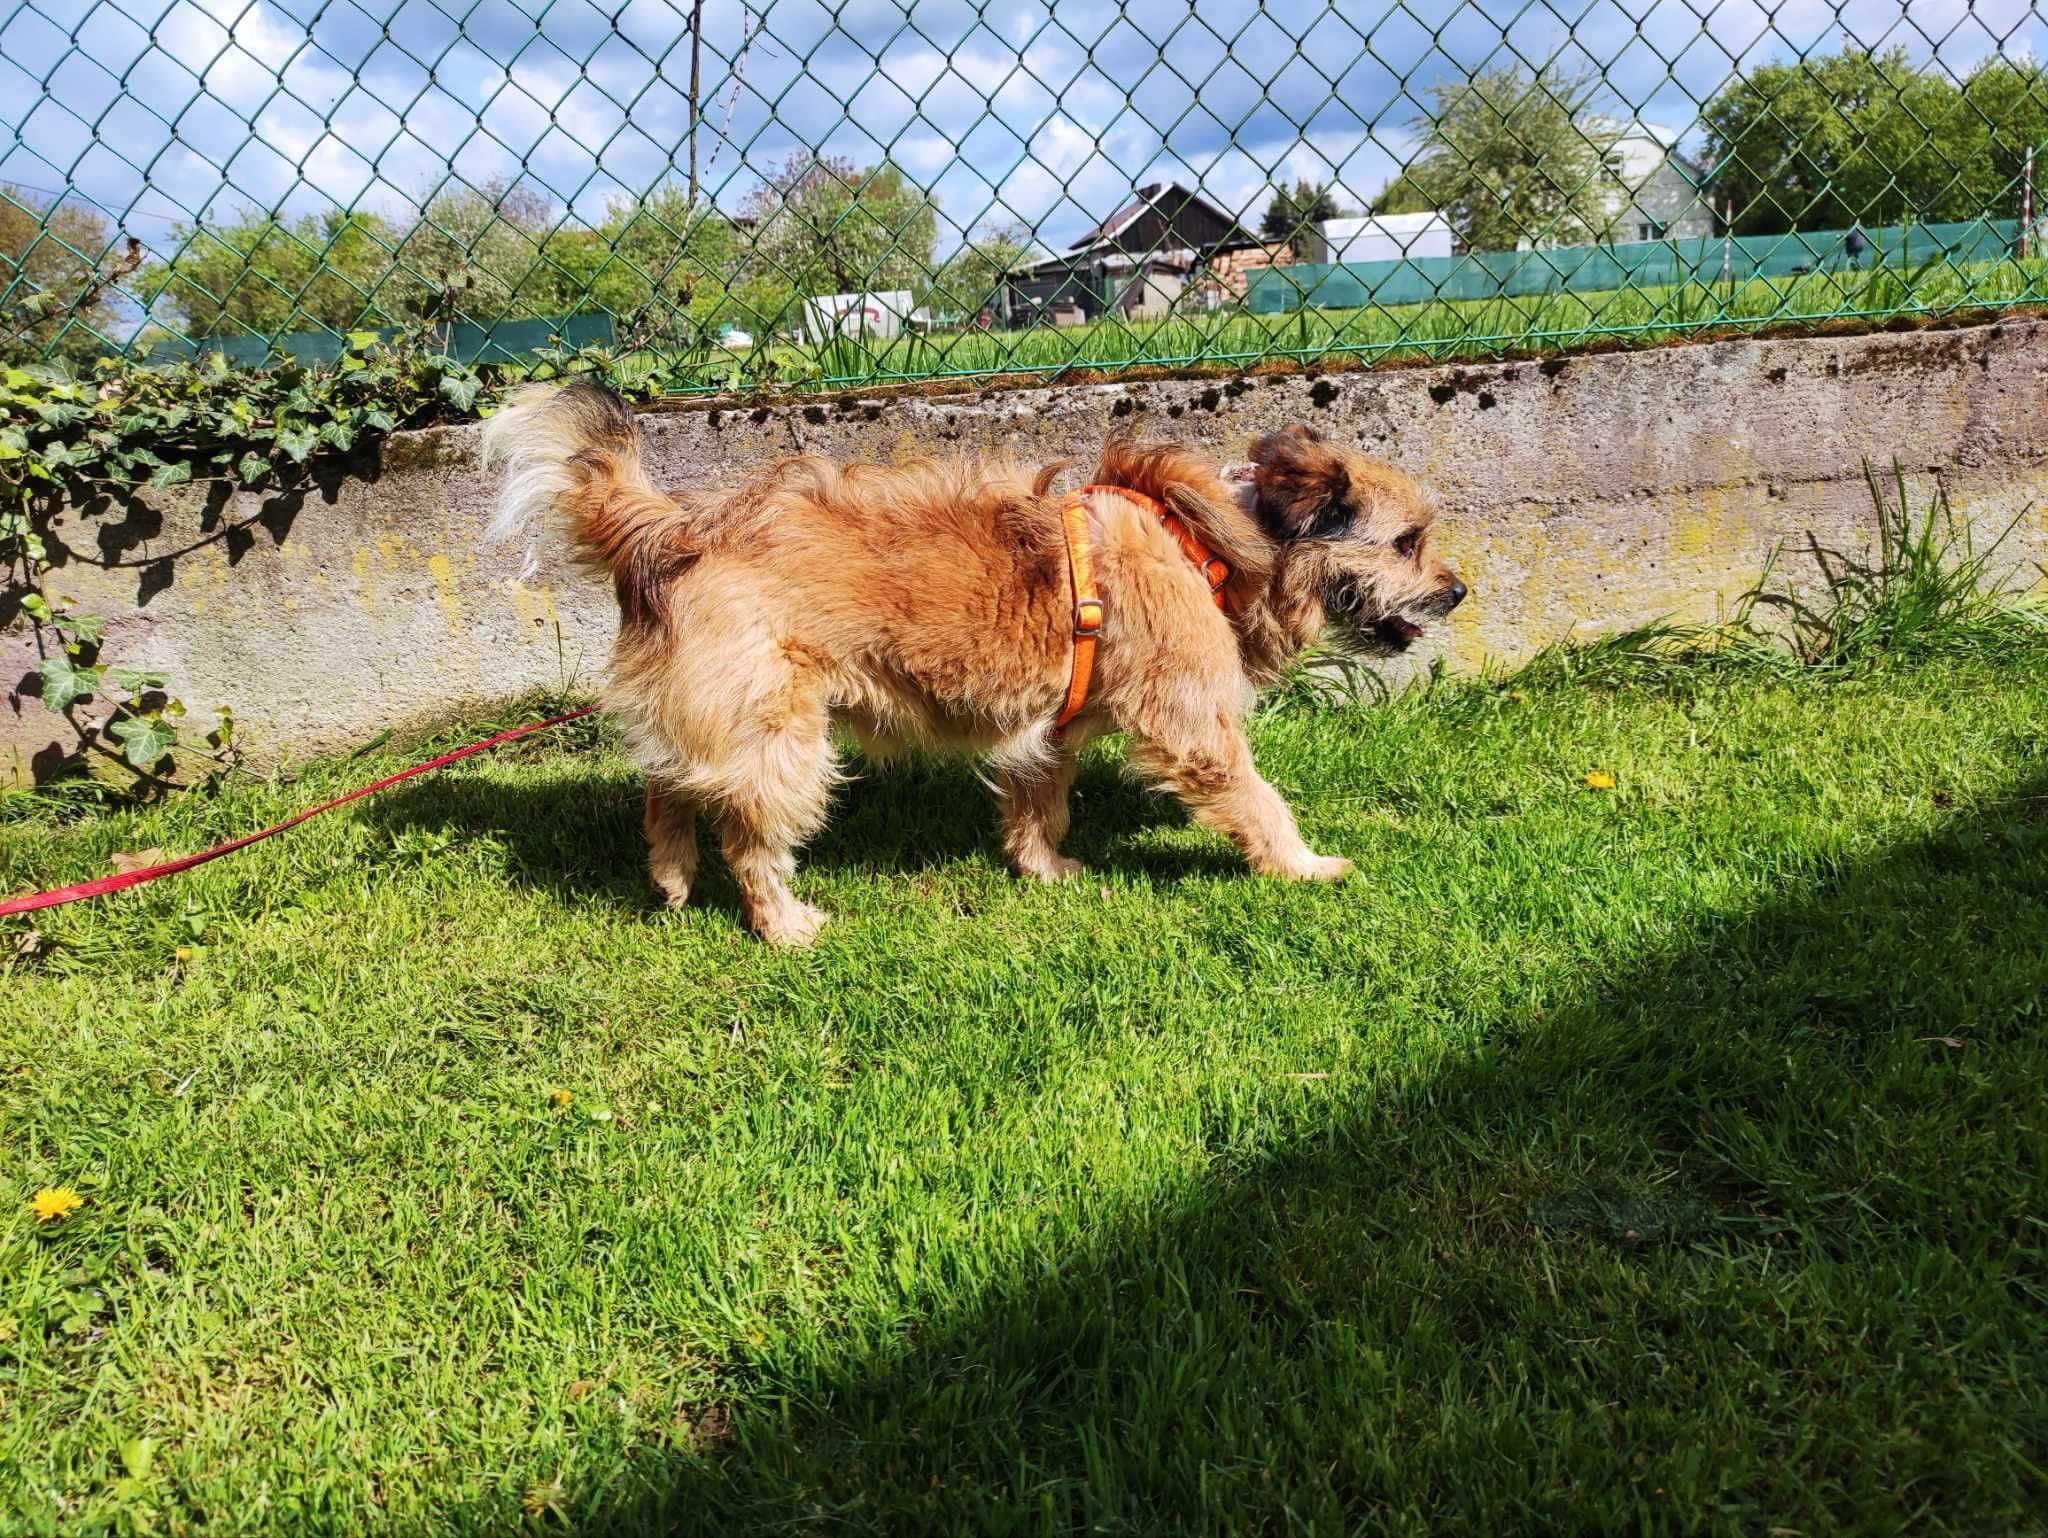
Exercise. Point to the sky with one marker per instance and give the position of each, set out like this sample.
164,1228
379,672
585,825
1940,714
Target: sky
157,111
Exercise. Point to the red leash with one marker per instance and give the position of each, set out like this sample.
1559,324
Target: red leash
128,878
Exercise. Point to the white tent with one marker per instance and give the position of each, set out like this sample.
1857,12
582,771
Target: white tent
1387,237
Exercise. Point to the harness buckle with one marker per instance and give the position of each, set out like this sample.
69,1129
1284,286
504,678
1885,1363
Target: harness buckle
1087,617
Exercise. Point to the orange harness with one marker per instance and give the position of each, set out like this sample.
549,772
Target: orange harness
1088,603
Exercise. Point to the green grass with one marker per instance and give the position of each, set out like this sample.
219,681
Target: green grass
1668,1158
1443,330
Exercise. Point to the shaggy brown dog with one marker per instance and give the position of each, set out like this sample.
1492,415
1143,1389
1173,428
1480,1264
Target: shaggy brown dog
928,606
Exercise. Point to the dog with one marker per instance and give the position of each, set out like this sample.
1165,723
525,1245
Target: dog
930,606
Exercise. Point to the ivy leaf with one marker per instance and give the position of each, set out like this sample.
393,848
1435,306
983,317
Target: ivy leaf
337,435
85,628
65,682
143,739
380,419
59,413
176,473
253,467
297,442
460,390
135,680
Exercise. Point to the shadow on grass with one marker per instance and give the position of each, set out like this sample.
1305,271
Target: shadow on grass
1747,1237
579,836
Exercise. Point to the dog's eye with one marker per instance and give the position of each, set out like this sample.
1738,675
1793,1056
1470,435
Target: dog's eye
1405,544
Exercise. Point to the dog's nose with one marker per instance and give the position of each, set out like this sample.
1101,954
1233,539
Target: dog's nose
1453,595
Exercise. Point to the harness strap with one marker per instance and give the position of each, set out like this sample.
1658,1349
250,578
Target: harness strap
1088,603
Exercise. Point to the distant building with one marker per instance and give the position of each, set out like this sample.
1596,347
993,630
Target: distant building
1658,194
1386,237
1135,262
1230,272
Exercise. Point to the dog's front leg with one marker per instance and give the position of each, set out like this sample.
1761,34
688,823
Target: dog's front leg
1035,810
1210,769
670,822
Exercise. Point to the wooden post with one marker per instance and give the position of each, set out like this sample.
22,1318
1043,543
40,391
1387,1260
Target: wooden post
2027,203
696,75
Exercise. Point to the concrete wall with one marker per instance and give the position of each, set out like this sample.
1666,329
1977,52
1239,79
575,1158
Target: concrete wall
1578,495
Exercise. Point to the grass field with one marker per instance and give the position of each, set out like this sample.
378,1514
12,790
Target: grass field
1663,1157
1443,330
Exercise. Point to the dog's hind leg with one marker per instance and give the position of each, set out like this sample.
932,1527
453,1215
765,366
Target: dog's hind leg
1208,765
1035,810
775,798
670,822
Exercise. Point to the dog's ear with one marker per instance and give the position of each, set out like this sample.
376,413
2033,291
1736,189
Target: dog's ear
1304,490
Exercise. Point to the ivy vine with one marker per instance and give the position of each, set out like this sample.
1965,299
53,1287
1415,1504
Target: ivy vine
124,426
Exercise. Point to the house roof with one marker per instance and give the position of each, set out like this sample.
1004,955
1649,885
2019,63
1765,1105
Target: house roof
1642,147
1147,198
1173,258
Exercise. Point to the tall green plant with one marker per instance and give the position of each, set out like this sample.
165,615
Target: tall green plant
1928,587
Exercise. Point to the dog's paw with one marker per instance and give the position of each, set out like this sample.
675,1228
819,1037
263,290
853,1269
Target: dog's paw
1053,868
1326,867
795,924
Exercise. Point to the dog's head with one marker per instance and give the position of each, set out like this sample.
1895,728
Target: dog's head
1356,533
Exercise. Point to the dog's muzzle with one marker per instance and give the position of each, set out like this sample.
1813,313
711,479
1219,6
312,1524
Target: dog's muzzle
1394,632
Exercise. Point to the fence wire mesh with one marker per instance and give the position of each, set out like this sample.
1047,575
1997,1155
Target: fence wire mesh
795,193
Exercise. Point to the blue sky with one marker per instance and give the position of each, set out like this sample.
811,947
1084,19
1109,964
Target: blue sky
157,109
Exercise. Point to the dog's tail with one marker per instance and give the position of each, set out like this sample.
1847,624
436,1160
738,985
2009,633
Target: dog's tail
572,455
1188,483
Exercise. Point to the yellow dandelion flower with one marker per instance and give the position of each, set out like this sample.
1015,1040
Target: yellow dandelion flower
54,1202
544,1500
560,1097
1599,779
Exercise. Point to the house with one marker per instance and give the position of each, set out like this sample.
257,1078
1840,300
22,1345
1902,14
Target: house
1658,194
1135,262
1386,237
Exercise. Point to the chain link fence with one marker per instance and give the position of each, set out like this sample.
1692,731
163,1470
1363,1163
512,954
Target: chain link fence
795,193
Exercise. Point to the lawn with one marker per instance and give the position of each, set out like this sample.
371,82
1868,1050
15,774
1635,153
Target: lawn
1442,330
1662,1157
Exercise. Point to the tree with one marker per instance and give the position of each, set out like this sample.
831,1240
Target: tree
261,274
1860,136
2003,115
1402,196
50,256
1510,157
825,226
1294,217
666,263
494,253
1824,142
972,277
